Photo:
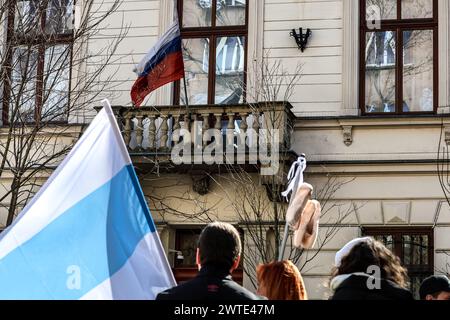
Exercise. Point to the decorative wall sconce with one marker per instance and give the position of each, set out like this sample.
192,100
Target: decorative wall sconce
301,38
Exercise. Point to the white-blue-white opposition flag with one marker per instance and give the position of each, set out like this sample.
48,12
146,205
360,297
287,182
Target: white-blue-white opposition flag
88,233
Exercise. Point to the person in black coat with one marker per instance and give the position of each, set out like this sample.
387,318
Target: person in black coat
218,255
367,270
354,287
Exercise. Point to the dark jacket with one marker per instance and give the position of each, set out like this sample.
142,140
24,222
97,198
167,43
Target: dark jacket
211,283
355,288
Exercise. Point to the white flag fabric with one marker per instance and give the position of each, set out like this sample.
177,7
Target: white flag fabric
88,233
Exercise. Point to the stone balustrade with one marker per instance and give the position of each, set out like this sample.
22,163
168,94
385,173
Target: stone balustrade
149,130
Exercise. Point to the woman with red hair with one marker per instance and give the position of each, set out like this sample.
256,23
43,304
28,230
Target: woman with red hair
281,281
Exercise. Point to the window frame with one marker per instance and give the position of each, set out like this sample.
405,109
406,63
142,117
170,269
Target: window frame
399,25
184,272
42,43
212,33
397,234
179,236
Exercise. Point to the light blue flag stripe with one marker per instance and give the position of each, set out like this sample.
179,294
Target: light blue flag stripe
105,228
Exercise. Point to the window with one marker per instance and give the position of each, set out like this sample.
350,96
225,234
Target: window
186,243
415,248
186,268
214,36
39,36
399,72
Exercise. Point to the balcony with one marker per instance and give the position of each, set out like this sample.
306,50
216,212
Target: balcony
207,138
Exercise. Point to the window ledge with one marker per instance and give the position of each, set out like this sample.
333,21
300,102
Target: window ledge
373,121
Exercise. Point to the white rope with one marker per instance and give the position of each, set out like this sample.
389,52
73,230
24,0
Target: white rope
295,176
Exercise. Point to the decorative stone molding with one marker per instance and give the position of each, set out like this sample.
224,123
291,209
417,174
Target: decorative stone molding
164,234
350,58
201,183
255,47
396,212
443,58
447,134
347,132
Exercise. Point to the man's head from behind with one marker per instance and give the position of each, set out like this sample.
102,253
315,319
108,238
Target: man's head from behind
219,245
435,288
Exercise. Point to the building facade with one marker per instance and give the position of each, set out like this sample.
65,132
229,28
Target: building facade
367,101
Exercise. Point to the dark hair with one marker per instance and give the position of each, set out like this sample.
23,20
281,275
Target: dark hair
219,245
434,286
373,253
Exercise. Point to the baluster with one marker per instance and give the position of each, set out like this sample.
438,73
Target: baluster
152,132
218,124
270,124
264,134
205,129
256,125
256,128
243,128
127,131
139,131
176,129
230,129
187,127
253,140
193,129
242,143
164,132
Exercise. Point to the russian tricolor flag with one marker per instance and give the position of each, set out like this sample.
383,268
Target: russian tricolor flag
88,233
161,65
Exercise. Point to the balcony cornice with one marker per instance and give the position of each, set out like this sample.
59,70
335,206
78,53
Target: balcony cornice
302,123
209,108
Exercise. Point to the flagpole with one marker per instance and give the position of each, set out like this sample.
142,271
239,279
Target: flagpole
186,100
177,17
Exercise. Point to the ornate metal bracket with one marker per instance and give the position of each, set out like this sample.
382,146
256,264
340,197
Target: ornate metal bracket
301,38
